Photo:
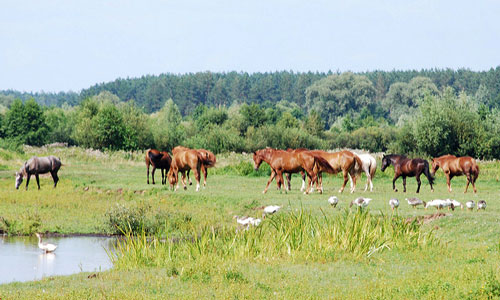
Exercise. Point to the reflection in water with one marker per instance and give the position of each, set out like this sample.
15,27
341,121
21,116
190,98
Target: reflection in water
22,260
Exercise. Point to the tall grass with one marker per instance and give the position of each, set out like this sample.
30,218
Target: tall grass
295,236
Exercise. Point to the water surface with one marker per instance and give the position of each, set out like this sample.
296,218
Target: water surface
22,260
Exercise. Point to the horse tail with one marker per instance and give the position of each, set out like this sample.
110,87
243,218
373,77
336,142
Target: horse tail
475,170
373,167
427,173
358,165
323,163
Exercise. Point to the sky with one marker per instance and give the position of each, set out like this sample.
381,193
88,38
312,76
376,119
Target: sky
70,45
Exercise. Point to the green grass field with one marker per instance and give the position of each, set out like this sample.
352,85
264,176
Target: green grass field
303,260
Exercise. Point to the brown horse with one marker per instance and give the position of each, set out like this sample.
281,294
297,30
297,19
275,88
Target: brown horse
456,166
342,161
285,162
159,160
406,167
209,161
183,161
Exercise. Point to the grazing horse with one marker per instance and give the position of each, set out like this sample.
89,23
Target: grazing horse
183,161
369,166
456,166
160,160
406,167
285,162
38,165
344,161
208,161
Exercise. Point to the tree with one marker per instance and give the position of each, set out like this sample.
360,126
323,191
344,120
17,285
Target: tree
166,127
337,95
253,115
25,123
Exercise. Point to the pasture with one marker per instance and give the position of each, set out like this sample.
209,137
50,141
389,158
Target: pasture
455,256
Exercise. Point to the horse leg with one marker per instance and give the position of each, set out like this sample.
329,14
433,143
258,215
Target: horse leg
353,187
28,176
394,183
37,180
289,180
54,177
147,172
162,176
273,174
419,182
345,173
320,179
204,171
310,183
197,177
189,179
468,181
153,174
303,175
184,179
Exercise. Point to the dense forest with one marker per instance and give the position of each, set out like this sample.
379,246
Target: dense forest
428,112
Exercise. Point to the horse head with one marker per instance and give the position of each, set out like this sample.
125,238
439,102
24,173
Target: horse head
257,159
386,161
19,179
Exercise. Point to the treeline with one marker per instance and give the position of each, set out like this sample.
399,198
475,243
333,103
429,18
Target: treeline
223,89
339,111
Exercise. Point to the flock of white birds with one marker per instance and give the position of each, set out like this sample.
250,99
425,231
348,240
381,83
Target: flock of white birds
363,202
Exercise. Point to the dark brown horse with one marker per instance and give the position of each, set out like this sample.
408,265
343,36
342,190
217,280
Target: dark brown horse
209,161
285,162
456,166
406,167
159,160
183,161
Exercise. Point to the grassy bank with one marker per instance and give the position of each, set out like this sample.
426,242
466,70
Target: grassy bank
306,251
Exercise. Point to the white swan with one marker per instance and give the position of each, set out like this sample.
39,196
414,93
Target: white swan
333,200
271,209
45,246
394,203
455,203
247,221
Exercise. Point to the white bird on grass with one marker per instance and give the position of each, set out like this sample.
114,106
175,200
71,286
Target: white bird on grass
271,209
470,204
394,203
437,203
333,200
481,205
455,203
247,221
361,202
45,246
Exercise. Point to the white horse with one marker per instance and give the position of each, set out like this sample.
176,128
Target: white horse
369,166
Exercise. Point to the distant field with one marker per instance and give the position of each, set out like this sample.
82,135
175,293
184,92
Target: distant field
464,263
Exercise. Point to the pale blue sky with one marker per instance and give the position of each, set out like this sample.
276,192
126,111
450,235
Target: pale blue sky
70,45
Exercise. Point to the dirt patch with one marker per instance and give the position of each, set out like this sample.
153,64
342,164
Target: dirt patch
428,218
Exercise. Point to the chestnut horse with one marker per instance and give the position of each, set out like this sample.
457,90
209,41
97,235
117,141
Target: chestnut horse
159,160
209,161
456,166
406,167
183,161
342,161
285,162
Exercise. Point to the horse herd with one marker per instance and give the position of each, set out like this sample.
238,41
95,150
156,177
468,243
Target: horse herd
310,163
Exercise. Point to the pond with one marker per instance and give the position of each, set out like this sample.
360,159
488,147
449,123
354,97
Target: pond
22,260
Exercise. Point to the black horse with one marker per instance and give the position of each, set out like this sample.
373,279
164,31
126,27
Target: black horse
406,167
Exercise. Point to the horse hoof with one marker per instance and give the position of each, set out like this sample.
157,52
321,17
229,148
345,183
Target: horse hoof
263,192
185,188
396,190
